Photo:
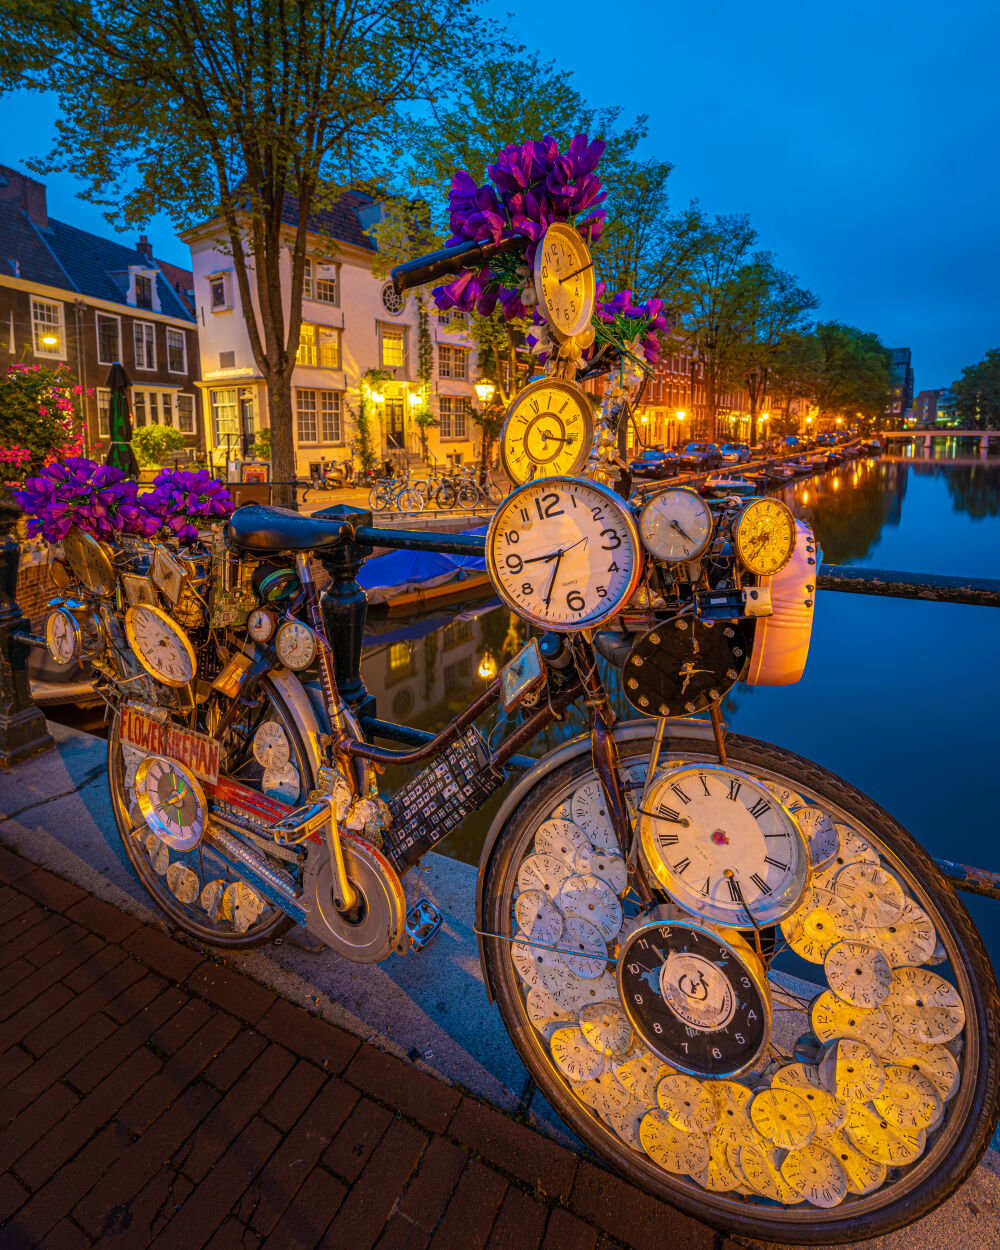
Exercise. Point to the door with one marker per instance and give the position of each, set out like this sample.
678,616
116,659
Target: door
247,432
394,424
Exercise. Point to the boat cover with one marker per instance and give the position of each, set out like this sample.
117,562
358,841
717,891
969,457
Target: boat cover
401,572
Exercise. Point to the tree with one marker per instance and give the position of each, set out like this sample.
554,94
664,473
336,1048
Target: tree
853,377
794,376
977,393
42,420
637,234
261,113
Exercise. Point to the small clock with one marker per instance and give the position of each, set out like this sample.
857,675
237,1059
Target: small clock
548,430
676,525
63,636
160,644
564,553
172,802
765,536
296,645
564,280
261,624
90,562
696,998
722,845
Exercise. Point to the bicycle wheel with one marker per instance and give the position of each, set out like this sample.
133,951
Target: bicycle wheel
198,889
716,1161
447,494
469,495
494,495
380,496
410,500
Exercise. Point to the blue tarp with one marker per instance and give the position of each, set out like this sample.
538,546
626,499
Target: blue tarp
401,571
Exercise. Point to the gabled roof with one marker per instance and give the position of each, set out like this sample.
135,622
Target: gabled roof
339,221
182,280
60,255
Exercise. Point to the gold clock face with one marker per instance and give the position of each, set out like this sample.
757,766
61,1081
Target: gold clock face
90,562
548,431
765,536
160,645
564,280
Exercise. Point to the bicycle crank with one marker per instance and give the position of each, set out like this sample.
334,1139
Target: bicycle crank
373,929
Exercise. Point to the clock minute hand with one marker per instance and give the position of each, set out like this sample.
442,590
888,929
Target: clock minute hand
555,573
577,272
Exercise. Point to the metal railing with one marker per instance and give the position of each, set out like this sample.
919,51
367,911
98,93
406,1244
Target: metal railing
23,730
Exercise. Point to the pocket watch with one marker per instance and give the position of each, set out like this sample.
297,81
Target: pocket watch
676,525
722,846
564,553
765,536
172,802
548,430
564,280
161,646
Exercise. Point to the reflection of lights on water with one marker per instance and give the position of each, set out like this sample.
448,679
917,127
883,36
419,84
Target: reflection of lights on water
805,496
836,483
487,666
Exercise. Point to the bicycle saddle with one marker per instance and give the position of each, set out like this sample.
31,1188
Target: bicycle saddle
265,530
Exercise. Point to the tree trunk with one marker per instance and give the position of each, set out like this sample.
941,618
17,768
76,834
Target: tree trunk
279,403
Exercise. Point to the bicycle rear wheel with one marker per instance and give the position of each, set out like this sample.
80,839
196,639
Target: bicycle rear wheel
469,496
447,495
380,496
410,500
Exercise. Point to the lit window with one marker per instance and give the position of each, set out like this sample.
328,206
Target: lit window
145,345
103,413
108,346
143,291
306,355
392,348
168,408
139,408
331,424
154,408
176,351
46,322
305,416
320,283
185,414
399,656
224,417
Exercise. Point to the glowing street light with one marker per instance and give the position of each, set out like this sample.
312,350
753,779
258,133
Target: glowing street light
487,666
416,398
377,397
50,340
485,390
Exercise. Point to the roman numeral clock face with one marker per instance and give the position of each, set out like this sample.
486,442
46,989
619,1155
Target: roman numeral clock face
722,846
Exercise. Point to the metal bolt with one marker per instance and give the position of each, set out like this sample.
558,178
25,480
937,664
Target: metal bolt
737,651
632,684
732,674
809,603
810,587
637,661
680,624
643,701
730,633
713,694
810,562
689,707
654,639
664,710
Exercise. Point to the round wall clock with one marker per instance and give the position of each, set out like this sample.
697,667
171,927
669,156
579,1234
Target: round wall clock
172,802
765,536
548,430
160,645
676,525
90,562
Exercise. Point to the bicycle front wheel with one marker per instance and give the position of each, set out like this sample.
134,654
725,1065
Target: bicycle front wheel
379,497
447,495
469,496
855,1164
410,500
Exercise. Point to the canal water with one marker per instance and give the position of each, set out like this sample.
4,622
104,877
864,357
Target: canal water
899,697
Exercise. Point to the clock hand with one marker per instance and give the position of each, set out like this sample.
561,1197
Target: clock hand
552,583
588,265
682,533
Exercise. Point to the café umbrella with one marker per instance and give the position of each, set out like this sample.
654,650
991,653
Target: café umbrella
120,453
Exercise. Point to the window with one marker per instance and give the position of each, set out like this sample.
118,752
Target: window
176,351
453,362
185,414
319,346
145,345
330,423
454,416
143,291
321,283
103,413
319,416
154,408
47,327
400,663
392,301
453,319
224,416
218,292
139,408
108,342
456,633
305,416
393,349
167,404
457,675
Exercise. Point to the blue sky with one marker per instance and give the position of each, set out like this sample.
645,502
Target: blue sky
859,137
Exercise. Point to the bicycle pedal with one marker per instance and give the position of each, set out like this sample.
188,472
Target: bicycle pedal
423,921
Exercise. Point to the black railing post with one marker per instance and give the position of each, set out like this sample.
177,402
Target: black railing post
345,607
22,725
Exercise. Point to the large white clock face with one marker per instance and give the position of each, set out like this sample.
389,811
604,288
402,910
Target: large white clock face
564,553
160,644
676,525
564,280
722,846
548,430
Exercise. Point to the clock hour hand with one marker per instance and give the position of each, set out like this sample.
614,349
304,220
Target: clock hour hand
674,525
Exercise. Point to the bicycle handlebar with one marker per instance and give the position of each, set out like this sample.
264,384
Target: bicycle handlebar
452,260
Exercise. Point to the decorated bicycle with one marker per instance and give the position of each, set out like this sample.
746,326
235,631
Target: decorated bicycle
739,980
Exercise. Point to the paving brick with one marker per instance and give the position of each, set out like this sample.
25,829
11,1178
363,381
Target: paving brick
56,1197
230,1065
59,943
83,1005
163,954
351,1149
13,867
34,1122
430,1190
65,1236
101,918
100,965
49,890
236,1110
12,1195
33,1013
29,987
12,1063
293,1095
33,929
141,1162
124,1041
135,997
400,1234
520,1222
132,1225
181,1026
633,1216
27,918
300,1152
53,1066
75,1128
420,1097
231,991
212,1199
12,904
233,1235
303,1225
308,1036
156,1094
565,1232
470,1214
365,1210
13,975
517,1149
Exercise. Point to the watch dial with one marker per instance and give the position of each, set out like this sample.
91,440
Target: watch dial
564,553
172,802
260,624
564,280
676,525
161,645
722,846
765,536
548,430
89,561
296,645
62,636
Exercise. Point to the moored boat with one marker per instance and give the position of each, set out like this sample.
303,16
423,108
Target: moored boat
402,582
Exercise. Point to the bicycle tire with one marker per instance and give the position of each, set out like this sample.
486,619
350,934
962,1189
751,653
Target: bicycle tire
410,500
379,497
971,1113
469,496
446,495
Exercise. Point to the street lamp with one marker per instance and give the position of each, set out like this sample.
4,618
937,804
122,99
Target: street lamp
50,340
485,389
377,397
488,666
416,398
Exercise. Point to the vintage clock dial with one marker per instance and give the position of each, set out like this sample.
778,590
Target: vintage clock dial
574,1055
538,917
818,923
816,1174
676,525
831,1018
697,1000
564,553
562,838
296,645
564,280
908,1100
873,894
722,846
672,1148
734,1127
783,1116
607,1028
161,646
687,1103
90,562
863,1175
876,1138
261,624
910,939
593,900
545,873
172,802
640,1074
548,431
828,1112
761,1165
765,536
858,973
851,1071
924,1007
63,636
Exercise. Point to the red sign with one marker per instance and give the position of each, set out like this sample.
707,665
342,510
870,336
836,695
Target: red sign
157,737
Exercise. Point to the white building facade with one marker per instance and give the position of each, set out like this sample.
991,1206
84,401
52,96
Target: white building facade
357,337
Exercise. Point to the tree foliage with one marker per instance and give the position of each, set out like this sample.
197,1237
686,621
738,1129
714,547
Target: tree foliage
852,375
977,393
153,443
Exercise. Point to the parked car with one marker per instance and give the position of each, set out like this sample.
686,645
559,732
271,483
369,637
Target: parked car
654,462
700,456
792,442
735,453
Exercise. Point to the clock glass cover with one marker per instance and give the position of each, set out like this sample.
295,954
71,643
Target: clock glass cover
548,430
564,553
63,636
676,525
295,644
564,280
172,802
765,536
160,644
90,562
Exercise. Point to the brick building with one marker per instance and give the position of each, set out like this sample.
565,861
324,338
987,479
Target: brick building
70,296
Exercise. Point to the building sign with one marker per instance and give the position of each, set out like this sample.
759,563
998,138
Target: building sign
241,371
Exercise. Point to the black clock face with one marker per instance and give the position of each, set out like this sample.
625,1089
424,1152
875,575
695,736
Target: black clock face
696,1001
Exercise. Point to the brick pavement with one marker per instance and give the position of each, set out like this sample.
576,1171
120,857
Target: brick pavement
153,1097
